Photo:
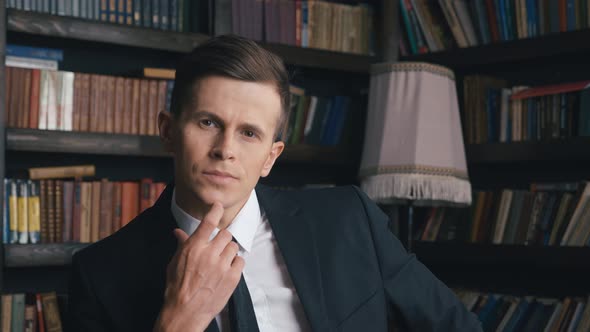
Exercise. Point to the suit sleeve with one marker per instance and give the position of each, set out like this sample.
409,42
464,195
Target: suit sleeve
84,312
418,299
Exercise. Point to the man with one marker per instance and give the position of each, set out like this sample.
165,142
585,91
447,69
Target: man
219,253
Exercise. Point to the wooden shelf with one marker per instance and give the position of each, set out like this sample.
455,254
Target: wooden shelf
54,141
551,271
33,255
510,51
96,31
571,149
83,143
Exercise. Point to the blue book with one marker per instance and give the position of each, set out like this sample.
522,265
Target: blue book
169,88
174,15
156,14
571,15
165,14
499,5
483,21
517,316
304,27
146,18
409,31
343,115
34,52
137,12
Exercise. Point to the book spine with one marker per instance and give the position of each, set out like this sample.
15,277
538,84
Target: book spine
51,216
137,12
95,210
38,173
116,221
51,312
34,210
43,208
59,212
129,13
156,14
77,210
173,13
113,11
106,205
147,13
68,208
164,14
122,11
23,212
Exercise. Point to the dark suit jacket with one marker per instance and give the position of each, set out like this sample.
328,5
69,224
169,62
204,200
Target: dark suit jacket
349,271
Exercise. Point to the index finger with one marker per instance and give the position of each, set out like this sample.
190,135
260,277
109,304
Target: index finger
207,225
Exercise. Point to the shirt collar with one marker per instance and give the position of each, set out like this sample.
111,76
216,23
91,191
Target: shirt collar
243,227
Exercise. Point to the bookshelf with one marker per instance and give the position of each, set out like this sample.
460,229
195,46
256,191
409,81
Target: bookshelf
544,271
512,269
565,150
120,50
39,255
116,34
550,45
52,141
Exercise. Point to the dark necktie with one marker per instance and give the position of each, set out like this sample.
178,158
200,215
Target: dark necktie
241,311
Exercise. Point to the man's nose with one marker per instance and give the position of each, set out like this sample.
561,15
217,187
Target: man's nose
224,147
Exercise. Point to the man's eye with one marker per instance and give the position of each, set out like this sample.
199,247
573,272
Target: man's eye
207,123
249,133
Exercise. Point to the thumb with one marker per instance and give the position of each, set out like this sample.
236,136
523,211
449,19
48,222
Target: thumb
180,235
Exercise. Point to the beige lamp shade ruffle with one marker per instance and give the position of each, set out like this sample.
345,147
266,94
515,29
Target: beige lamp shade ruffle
413,147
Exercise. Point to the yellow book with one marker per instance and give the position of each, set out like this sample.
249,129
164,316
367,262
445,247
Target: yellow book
161,73
60,172
23,212
13,208
34,212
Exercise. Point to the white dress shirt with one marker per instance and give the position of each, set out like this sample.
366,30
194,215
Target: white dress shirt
276,303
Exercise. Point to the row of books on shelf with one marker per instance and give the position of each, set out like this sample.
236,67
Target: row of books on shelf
60,100
306,23
496,112
31,312
157,14
431,26
318,120
61,210
505,313
549,214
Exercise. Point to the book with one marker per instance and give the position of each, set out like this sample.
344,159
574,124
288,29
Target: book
37,173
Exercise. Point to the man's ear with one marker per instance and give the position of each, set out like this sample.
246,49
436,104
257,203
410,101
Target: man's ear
275,152
165,125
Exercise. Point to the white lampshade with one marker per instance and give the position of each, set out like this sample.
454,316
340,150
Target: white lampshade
413,148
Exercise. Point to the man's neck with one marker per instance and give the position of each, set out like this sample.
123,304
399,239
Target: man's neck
198,209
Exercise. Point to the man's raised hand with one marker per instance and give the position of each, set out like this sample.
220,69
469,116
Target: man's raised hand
201,276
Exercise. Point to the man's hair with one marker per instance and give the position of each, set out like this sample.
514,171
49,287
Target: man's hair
233,57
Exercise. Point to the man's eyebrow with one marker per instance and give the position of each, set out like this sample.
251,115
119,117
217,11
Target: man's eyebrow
212,116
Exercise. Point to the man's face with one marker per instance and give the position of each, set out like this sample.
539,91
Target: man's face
223,141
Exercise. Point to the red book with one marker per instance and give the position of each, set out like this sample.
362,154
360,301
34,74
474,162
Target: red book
491,11
40,320
105,226
116,220
129,202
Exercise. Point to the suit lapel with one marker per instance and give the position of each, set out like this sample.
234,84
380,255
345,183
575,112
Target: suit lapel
161,243
298,246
